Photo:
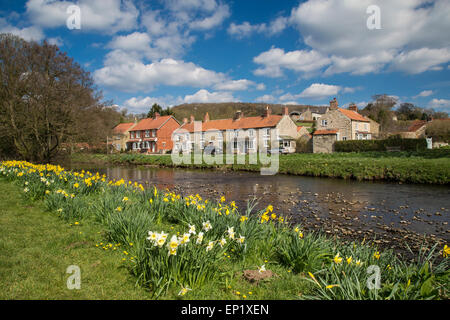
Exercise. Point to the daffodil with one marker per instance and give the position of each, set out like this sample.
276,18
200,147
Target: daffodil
199,238
210,246
207,226
262,268
241,239
349,260
376,255
222,242
183,291
337,259
446,251
192,229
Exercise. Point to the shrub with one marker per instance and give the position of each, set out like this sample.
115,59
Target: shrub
381,145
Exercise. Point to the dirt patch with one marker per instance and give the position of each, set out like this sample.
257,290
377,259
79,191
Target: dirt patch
77,244
256,276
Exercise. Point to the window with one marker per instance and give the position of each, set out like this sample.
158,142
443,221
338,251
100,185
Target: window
286,144
324,122
366,127
153,133
134,146
147,133
251,133
132,134
344,138
138,134
251,144
266,131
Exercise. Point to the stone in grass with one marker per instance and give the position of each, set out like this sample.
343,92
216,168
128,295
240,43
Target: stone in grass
256,276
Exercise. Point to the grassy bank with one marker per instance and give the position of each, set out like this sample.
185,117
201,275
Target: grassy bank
185,247
36,248
431,166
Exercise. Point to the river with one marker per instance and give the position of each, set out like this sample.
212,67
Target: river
392,213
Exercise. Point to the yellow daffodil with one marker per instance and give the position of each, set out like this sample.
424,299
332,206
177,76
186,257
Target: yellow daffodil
337,259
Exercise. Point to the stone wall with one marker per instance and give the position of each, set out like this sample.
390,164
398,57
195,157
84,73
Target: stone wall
324,143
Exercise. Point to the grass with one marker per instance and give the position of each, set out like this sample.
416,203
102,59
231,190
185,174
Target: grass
429,167
36,248
52,218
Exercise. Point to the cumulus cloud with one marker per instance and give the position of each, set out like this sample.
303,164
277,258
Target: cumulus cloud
410,39
442,104
235,85
321,90
128,73
143,104
32,33
266,98
275,60
246,29
109,16
204,96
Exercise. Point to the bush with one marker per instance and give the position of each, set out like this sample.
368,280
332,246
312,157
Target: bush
381,145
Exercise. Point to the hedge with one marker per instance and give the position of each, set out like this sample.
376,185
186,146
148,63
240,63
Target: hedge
380,145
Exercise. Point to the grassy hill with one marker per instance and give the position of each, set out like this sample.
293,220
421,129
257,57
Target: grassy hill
228,109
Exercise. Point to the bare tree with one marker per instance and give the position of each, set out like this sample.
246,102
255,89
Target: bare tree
44,93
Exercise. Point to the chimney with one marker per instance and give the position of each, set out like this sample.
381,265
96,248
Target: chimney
135,120
353,107
185,120
156,115
268,111
333,104
286,111
206,118
192,119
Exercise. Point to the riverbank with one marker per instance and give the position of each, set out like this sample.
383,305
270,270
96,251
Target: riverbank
428,167
212,250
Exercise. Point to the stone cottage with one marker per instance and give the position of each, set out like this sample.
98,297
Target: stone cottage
340,124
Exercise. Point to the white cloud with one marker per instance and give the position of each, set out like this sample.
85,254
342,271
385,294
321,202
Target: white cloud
319,90
32,33
210,22
275,60
204,96
421,60
246,29
266,98
439,104
234,85
260,86
424,93
141,105
109,16
127,73
410,37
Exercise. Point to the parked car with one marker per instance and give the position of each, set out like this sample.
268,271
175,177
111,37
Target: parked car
277,151
210,150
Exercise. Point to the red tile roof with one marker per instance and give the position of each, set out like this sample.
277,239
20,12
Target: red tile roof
123,127
230,124
327,131
416,125
299,128
151,123
353,115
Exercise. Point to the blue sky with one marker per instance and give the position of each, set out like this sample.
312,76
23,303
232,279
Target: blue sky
304,52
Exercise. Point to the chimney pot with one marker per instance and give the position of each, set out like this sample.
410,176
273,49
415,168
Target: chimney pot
333,104
156,115
353,107
185,120
192,118
286,111
268,111
206,118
